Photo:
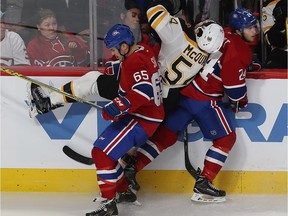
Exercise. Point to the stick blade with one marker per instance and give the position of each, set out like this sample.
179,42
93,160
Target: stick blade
76,156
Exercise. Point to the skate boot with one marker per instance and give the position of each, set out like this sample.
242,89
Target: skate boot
106,207
130,172
38,100
205,191
128,197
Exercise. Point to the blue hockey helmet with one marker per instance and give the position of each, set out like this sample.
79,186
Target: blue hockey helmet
242,18
118,34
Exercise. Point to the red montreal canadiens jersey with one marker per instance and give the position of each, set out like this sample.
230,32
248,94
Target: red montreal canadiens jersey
225,71
45,52
140,83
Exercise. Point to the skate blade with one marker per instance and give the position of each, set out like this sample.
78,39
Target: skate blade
206,198
136,203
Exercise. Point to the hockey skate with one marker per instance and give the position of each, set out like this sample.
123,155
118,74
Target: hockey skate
38,101
127,197
130,172
107,207
205,191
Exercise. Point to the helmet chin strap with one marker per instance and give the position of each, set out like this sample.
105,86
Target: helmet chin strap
125,54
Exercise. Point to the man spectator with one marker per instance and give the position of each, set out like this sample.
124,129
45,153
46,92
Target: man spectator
13,49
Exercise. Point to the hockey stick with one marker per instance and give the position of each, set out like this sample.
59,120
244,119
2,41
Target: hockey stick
52,88
89,161
76,156
188,164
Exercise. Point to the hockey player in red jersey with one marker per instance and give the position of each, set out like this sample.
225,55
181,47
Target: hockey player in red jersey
224,73
136,112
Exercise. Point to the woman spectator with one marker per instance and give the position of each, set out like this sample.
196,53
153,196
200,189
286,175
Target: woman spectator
50,48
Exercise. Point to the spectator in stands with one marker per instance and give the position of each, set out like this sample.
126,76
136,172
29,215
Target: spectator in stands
13,18
274,28
204,7
13,49
149,37
50,48
130,13
13,12
130,16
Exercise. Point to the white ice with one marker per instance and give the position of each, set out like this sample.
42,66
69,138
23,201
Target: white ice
72,204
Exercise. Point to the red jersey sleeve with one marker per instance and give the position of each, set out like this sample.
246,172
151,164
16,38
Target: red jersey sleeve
235,61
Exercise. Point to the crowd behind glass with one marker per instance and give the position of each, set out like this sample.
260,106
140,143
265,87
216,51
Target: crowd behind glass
71,32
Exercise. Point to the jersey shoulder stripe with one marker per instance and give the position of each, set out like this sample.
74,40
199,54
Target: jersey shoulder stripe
156,15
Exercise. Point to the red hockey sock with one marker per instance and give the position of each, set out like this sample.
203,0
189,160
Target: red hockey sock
122,184
216,156
161,140
104,163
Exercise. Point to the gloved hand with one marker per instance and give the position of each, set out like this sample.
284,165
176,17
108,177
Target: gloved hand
170,5
115,108
113,68
240,104
254,66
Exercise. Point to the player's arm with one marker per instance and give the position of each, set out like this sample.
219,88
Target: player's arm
233,77
143,90
166,26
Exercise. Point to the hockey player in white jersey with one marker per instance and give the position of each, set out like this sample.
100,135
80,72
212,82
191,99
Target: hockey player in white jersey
180,57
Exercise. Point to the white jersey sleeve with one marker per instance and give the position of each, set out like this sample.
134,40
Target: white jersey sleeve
13,50
179,58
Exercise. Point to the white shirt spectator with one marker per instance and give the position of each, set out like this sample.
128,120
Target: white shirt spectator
13,50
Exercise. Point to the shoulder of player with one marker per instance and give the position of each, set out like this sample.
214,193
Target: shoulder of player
142,52
156,11
233,43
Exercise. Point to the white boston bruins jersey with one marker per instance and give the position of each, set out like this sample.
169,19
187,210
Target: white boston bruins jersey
179,59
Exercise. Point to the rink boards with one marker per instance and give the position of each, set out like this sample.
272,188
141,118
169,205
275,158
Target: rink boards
32,157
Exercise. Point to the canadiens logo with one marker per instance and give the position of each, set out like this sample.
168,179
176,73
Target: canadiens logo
114,33
213,132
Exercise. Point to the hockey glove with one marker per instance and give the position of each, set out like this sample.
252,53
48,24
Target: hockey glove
115,108
240,104
113,68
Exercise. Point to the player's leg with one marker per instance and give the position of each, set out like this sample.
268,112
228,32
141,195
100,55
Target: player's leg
106,153
94,82
215,125
107,174
164,137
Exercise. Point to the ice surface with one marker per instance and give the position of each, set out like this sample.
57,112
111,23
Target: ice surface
72,204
